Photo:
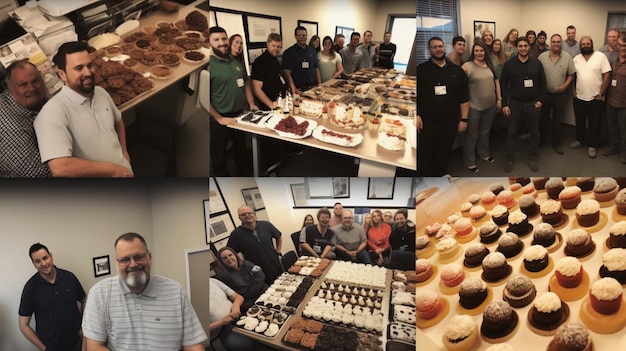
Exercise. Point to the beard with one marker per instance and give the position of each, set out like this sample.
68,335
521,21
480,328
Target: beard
136,279
222,51
586,50
82,86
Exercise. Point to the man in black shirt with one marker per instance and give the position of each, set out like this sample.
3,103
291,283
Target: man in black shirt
386,52
442,95
524,88
267,80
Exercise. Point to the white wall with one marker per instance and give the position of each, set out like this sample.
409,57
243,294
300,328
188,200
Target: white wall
80,219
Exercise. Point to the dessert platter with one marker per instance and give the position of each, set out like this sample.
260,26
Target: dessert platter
308,334
544,289
262,321
308,265
342,139
292,127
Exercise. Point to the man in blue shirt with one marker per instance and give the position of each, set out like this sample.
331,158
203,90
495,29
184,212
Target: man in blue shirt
300,64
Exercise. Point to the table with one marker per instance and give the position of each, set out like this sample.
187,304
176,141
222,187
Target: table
276,342
447,200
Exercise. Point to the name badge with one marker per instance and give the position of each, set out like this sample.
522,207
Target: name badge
317,248
281,79
613,82
528,83
240,82
440,90
305,64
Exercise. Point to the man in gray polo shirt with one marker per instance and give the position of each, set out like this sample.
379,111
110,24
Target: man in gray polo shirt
351,240
138,310
351,56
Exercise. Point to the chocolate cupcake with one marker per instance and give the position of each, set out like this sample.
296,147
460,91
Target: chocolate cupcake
548,312
509,245
605,189
606,295
489,232
620,202
518,223
578,243
496,188
495,266
472,293
474,255
568,272
617,235
571,337
519,291
570,197
585,183
621,181
500,215
544,235
554,187
535,258
551,212
588,213
540,182
528,205
614,265
522,180
499,320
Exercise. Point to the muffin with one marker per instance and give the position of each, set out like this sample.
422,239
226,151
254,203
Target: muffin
570,197
505,198
496,188
477,213
606,295
578,243
588,213
445,230
551,212
571,337
465,209
495,266
500,215
519,291
463,227
585,183
518,223
554,187
432,229
488,199
516,189
489,232
474,199
605,189
614,265
474,255
529,189
422,242
452,275
509,245
447,247
568,272
453,218
544,235
620,202
617,235
472,293
540,182
528,205
428,304
548,312
423,270
461,334
535,258
499,320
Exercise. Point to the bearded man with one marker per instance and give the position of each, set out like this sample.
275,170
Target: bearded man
123,312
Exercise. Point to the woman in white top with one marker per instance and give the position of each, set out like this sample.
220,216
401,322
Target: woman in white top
485,100
329,62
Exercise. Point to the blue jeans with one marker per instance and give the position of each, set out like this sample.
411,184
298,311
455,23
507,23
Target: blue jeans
235,341
588,121
477,135
616,118
530,115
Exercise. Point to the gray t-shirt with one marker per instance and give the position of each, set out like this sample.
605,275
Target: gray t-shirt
482,86
352,62
350,238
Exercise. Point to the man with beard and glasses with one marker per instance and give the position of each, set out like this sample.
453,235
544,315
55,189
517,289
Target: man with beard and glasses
51,295
524,89
442,96
19,105
255,240
80,131
591,82
138,310
318,240
230,92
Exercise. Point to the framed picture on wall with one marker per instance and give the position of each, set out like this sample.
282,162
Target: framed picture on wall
253,198
319,187
298,193
101,266
260,26
341,187
216,203
311,27
220,227
481,26
380,188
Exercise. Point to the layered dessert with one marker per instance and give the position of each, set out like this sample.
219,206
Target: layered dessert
544,235
461,334
588,213
447,247
423,270
428,304
528,205
551,212
554,186
463,227
614,265
477,213
496,188
474,255
606,296
620,202
519,291
495,267
578,243
505,198
571,337
548,313
509,245
472,293
499,321
518,223
570,197
500,215
568,272
516,189
535,258
452,275
488,199
605,189
617,235
474,199
489,232
465,209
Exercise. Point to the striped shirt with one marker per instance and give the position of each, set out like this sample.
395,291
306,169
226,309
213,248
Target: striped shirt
160,318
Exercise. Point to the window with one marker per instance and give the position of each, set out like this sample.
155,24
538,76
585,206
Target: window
435,18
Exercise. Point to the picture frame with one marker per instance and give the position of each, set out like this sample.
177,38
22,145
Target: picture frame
380,188
101,266
480,26
216,202
253,198
311,27
219,227
298,193
319,187
341,187
258,27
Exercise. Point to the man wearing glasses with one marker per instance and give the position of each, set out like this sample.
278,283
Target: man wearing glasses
300,64
255,240
128,312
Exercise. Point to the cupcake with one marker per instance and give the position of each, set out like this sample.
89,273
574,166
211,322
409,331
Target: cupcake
540,182
505,198
474,255
606,295
554,187
518,223
453,218
528,205
568,272
529,189
570,197
544,235
431,230
519,291
509,245
447,247
551,212
428,304
422,242
463,227
620,202
496,188
499,320
571,337
423,270
588,213
585,183
461,334
472,293
621,181
605,189
617,235
488,199
522,180
495,266
548,312
452,275
445,230
578,243
516,189
465,209
535,258
474,199
489,232
500,215
614,265
477,213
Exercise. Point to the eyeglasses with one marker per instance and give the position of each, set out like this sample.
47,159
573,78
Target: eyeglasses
125,261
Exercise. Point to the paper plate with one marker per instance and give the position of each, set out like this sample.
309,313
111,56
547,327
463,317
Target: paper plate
127,27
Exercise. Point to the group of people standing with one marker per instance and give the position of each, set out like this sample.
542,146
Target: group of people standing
528,80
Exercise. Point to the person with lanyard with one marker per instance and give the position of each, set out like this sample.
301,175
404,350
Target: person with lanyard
230,92
300,64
